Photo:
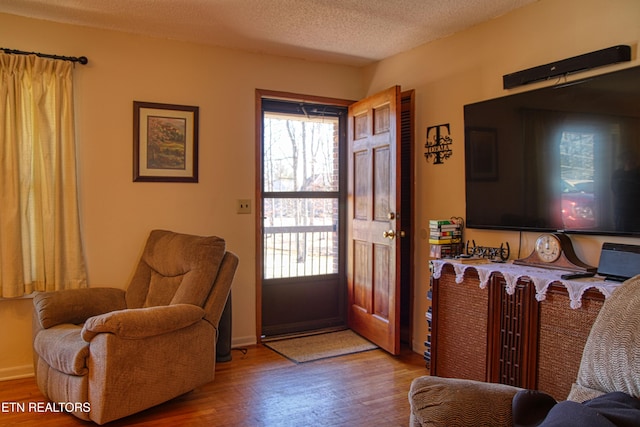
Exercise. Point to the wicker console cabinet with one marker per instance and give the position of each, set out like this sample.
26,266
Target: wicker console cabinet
510,330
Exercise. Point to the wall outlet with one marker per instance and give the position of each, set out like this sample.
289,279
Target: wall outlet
243,206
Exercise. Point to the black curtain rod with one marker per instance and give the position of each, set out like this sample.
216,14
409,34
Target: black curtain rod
82,59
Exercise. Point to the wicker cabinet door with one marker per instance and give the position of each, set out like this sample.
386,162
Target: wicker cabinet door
459,328
512,334
562,335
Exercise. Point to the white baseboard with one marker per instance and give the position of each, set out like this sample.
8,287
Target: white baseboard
243,341
16,372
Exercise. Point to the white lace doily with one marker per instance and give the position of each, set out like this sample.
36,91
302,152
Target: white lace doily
540,277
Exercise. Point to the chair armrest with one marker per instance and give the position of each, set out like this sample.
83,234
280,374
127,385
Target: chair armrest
437,401
138,323
214,306
75,305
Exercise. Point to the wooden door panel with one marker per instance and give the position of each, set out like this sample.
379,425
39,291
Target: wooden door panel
361,269
372,273
360,128
381,184
381,119
381,272
361,166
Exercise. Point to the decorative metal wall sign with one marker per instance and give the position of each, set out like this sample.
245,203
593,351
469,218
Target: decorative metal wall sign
439,146
502,252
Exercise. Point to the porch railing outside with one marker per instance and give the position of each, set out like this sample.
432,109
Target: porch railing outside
296,251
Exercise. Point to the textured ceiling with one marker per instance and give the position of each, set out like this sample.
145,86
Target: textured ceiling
354,32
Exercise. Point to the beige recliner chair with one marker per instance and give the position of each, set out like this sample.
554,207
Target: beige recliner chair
610,363
112,353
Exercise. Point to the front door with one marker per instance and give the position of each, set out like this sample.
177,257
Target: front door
374,219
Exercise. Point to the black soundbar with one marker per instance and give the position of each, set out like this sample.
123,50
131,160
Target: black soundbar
599,58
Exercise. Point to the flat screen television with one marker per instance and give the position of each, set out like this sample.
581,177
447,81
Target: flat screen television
561,158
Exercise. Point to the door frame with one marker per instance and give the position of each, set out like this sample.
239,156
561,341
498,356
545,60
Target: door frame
407,245
407,294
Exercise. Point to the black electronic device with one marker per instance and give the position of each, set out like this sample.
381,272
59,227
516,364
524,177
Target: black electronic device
573,276
587,61
561,158
619,261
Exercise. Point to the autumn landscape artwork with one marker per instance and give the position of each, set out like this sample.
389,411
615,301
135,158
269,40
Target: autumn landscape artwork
166,142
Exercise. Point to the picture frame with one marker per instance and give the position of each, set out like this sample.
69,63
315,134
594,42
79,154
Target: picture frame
165,142
482,154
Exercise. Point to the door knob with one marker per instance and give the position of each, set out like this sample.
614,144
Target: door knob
389,234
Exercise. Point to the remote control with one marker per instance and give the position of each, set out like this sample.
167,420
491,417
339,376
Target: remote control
571,276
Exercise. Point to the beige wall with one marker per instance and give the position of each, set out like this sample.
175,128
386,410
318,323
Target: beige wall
117,214
468,67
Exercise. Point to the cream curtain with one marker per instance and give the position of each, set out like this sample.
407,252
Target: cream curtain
40,245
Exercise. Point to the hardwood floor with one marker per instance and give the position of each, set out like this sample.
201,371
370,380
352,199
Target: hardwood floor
265,389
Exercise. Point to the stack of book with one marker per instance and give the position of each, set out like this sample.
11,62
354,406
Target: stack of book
444,232
445,237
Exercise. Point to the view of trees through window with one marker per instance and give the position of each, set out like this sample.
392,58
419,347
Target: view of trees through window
576,156
300,195
577,174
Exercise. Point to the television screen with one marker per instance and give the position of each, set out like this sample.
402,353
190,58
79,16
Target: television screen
565,157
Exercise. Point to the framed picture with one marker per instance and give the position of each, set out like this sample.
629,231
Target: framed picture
165,142
482,154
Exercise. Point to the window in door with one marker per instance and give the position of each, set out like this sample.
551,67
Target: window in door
302,233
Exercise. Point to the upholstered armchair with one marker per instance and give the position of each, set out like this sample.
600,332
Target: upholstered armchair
610,362
114,352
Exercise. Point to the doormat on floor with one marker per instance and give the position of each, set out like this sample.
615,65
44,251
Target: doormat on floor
321,346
